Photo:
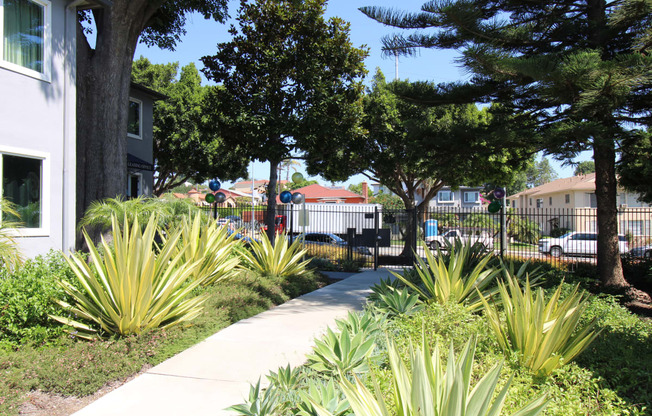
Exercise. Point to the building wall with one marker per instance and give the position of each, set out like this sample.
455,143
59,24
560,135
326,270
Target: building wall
37,120
458,198
143,148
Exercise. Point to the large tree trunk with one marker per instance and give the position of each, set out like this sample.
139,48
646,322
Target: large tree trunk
270,218
103,83
610,267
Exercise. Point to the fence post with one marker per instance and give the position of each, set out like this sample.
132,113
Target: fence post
215,210
415,235
376,238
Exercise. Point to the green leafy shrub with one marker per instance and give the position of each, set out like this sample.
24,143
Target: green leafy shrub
10,255
26,299
544,335
281,259
392,301
558,232
447,278
132,287
422,386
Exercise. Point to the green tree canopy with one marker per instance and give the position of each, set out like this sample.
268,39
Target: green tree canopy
585,167
184,149
539,173
415,149
580,68
635,166
292,83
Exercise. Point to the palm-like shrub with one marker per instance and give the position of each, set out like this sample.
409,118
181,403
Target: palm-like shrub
341,352
168,213
449,279
545,335
422,387
280,259
132,287
10,255
392,300
210,244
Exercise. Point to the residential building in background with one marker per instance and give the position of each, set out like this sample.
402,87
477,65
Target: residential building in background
140,140
570,203
469,197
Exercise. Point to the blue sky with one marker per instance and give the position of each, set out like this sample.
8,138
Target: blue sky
437,66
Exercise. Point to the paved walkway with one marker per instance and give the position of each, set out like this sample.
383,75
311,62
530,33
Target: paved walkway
216,373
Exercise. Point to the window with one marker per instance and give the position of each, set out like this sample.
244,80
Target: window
24,25
593,202
134,119
445,196
567,198
539,202
134,185
471,197
550,201
22,185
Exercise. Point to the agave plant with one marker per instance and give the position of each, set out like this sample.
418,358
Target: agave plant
423,388
280,259
132,287
286,379
326,396
260,402
341,353
355,323
446,278
209,244
544,335
392,298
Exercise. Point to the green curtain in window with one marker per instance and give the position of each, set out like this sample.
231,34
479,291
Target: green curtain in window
23,37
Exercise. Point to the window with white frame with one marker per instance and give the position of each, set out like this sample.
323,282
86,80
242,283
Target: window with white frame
22,186
134,185
539,202
25,27
445,196
567,198
471,197
135,118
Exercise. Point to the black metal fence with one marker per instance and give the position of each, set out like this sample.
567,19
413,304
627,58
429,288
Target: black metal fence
372,236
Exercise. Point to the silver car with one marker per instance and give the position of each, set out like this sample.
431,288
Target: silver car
576,243
644,252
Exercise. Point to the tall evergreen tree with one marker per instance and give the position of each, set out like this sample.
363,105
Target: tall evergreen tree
581,67
292,83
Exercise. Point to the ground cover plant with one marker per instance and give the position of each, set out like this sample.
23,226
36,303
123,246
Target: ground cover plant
610,377
137,297
71,367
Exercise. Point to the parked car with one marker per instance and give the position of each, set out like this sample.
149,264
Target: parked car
644,252
330,239
466,236
576,243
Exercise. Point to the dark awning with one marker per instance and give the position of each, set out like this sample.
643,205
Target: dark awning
137,163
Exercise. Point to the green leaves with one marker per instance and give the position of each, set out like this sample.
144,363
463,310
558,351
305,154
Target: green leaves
280,259
458,277
423,387
545,335
131,287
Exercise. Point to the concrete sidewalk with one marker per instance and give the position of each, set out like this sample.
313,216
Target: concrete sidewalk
216,373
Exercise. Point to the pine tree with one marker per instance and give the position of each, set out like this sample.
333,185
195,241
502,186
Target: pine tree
581,68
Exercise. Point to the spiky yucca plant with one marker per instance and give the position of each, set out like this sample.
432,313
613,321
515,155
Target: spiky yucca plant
545,335
209,244
132,287
423,388
280,259
449,278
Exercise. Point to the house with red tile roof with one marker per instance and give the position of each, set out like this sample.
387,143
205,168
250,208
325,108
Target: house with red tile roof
323,195
260,186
